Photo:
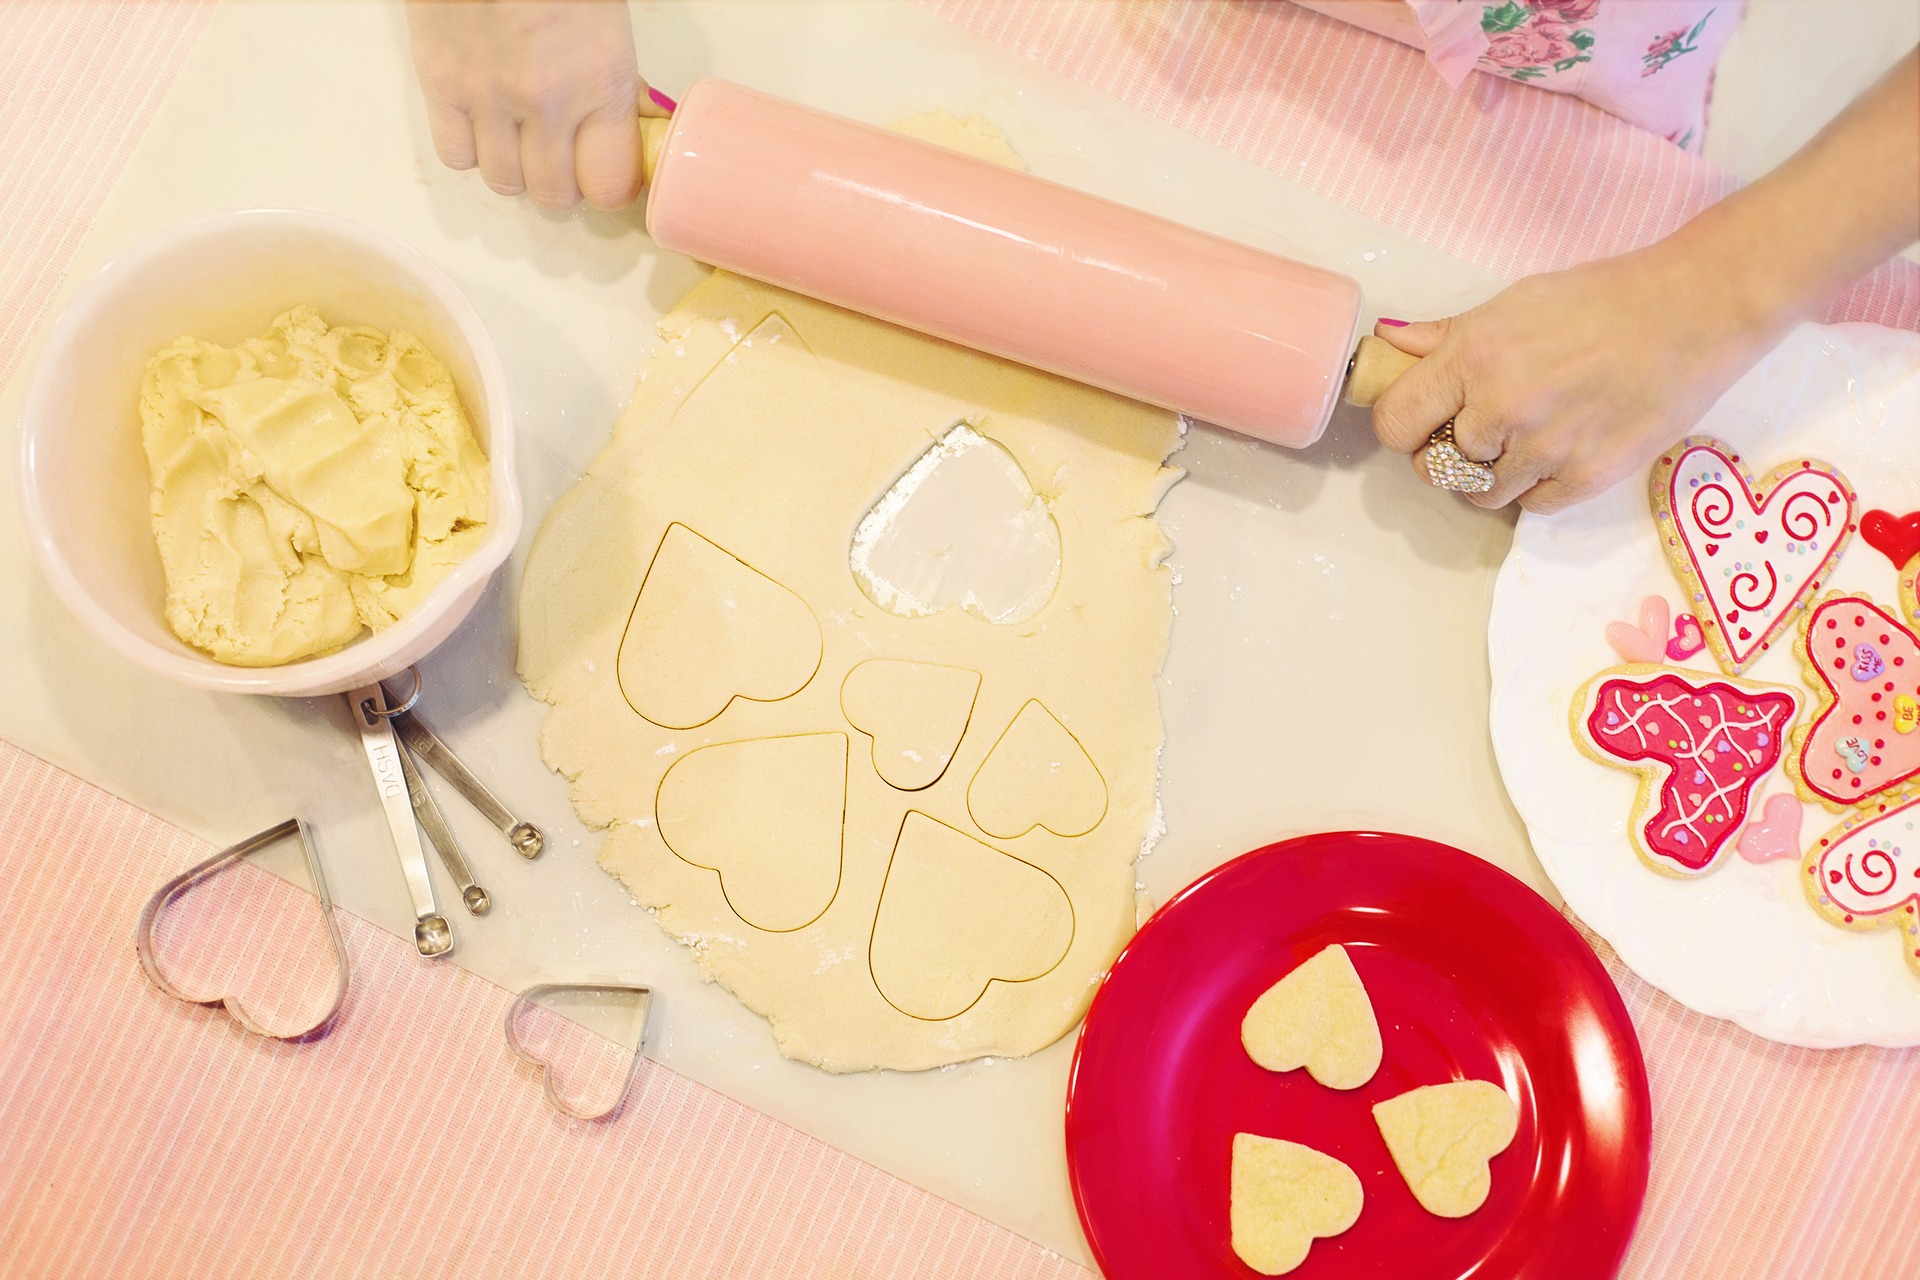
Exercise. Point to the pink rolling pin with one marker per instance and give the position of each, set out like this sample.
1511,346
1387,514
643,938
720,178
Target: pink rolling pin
1009,264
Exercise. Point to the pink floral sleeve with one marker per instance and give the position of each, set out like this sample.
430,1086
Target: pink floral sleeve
1650,62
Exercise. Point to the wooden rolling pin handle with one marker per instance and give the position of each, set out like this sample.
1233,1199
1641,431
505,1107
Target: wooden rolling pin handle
1376,364
653,140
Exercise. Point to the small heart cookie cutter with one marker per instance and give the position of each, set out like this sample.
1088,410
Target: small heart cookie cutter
166,893
531,997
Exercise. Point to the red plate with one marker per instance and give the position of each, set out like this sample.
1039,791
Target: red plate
1472,975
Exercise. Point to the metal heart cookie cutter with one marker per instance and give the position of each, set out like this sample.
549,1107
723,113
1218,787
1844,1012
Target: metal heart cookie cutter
166,893
394,759
536,996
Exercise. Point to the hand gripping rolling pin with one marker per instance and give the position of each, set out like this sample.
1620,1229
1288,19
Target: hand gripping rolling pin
1010,264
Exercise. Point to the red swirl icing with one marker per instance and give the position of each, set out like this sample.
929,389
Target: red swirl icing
1854,748
1707,742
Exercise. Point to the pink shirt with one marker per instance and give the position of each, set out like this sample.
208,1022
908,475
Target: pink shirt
1650,62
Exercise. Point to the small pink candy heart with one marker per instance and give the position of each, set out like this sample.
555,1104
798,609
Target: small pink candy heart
1776,835
1641,643
1687,639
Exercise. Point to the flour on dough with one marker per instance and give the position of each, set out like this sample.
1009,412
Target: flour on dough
766,426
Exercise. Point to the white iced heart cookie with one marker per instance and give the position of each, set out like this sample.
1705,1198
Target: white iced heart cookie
1284,1197
963,527
1442,1137
1037,775
1317,1017
768,816
956,914
915,712
708,628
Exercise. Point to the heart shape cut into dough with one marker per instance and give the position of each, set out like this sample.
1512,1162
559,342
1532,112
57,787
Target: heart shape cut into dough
1317,1017
962,527
955,915
1284,1197
1749,556
1441,1138
1037,775
586,1074
708,628
915,712
1854,748
768,815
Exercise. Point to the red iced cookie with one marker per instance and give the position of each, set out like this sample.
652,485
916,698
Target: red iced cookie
1700,744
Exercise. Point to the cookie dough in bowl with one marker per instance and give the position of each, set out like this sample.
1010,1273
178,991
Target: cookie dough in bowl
87,483
308,485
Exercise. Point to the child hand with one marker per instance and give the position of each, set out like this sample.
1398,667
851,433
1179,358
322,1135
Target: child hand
1572,381
542,96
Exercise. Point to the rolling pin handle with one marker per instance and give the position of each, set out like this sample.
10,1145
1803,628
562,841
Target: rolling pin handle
653,140
1377,363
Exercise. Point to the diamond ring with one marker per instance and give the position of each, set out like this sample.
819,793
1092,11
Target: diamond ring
1448,468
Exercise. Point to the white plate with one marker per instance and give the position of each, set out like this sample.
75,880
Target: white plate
1740,942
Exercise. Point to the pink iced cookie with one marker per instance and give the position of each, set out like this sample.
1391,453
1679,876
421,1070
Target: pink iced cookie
1866,665
1748,554
1865,874
1701,745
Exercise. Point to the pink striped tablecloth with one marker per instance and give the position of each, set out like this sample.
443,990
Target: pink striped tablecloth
144,1137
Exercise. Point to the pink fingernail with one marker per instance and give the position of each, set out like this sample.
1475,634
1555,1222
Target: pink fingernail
661,100
1397,324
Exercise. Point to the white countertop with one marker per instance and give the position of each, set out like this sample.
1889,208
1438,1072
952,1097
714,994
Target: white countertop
1291,565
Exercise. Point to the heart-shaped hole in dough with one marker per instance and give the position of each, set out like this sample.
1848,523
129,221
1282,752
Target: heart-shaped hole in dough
1284,1197
962,527
915,712
956,915
1442,1137
708,628
769,816
1317,1017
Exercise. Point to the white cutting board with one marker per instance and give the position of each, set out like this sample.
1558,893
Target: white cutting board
1292,566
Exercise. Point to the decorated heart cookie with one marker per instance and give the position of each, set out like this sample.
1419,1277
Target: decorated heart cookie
1865,873
1442,1137
1284,1197
1863,661
1748,554
1701,745
1317,1017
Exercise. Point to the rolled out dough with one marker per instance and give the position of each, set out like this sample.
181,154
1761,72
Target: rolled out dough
769,425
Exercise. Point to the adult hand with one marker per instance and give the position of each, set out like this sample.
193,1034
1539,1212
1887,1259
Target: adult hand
543,96
1569,382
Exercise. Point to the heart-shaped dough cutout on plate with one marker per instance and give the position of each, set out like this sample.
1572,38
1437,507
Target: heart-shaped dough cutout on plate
1284,1197
768,815
708,628
1441,1138
956,914
915,712
962,527
1037,775
1317,1017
